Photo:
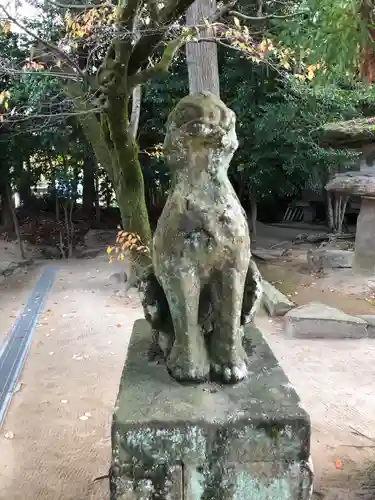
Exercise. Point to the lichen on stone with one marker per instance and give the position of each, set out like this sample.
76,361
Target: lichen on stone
203,286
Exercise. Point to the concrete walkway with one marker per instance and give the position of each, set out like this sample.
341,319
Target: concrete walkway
56,437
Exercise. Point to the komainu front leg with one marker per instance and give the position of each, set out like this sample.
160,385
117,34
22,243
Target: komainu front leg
227,355
188,359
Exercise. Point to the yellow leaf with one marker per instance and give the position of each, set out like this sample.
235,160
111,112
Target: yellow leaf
310,75
109,250
6,27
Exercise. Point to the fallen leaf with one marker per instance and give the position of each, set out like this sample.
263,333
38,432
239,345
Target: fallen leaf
9,435
64,401
88,414
339,464
51,353
18,387
83,417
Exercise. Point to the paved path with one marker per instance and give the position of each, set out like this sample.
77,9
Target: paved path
56,437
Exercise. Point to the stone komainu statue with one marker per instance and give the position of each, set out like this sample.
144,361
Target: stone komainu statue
203,285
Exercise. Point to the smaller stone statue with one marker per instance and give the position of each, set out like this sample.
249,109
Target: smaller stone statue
202,285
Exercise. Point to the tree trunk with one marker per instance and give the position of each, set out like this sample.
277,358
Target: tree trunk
330,211
202,57
136,111
254,216
97,195
6,206
336,208
16,223
127,176
24,187
115,149
130,192
89,166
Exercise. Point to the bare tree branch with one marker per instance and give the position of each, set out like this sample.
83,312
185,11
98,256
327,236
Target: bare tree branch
163,65
264,18
136,95
83,6
148,43
50,46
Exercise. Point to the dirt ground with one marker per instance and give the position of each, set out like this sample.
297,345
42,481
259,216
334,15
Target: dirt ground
339,289
56,437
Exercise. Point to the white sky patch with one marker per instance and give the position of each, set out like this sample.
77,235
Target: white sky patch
18,9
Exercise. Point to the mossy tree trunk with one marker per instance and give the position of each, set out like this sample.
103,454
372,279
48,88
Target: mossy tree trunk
89,195
126,175
5,205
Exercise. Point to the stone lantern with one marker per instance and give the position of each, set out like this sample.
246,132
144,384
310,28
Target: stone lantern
358,135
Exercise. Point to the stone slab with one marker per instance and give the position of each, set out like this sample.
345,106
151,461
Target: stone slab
275,302
267,253
329,258
241,442
364,257
319,321
370,320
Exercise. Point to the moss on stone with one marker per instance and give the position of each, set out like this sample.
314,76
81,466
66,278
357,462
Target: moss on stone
350,134
203,106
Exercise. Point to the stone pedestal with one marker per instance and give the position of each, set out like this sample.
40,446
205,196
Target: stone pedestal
364,255
170,441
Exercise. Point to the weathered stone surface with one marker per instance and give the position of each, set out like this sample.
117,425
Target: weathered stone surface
275,302
350,134
268,253
202,241
208,442
364,259
358,183
7,268
319,321
329,258
370,320
50,252
157,313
